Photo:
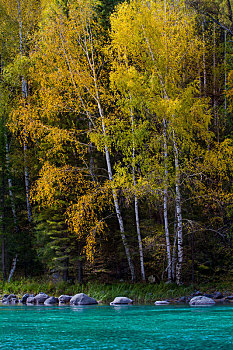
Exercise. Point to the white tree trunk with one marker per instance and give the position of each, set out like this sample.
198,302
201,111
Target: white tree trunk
12,268
116,203
174,256
27,184
214,83
225,71
179,215
25,95
3,228
165,198
136,207
204,61
89,52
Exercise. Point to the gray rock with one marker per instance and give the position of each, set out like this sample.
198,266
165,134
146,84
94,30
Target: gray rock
12,298
51,301
217,295
121,301
201,301
162,302
40,298
31,300
25,296
64,299
229,297
82,299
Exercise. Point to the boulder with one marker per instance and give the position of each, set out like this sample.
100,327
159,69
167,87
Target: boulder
121,301
40,298
12,298
162,302
64,299
25,297
201,301
82,299
51,301
31,300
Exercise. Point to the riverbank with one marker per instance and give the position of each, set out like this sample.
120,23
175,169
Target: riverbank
139,292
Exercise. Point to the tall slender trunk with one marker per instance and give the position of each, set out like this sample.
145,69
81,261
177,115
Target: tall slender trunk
225,71
214,83
3,228
230,15
12,268
91,157
165,206
204,60
174,256
116,202
91,61
179,215
25,146
199,78
136,206
89,53
2,198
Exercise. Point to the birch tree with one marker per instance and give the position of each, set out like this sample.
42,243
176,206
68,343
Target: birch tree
69,62
149,34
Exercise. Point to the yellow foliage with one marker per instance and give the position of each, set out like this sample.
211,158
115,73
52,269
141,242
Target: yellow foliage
85,218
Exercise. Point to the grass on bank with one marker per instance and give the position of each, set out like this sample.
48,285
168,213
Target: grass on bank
139,292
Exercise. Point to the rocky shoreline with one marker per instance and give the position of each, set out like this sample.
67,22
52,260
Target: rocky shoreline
217,297
195,299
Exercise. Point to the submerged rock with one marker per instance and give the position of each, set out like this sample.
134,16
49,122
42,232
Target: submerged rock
121,301
201,301
82,299
64,299
51,301
162,302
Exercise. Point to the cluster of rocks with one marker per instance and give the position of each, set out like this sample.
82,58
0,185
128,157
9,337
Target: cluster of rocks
199,299
195,299
44,299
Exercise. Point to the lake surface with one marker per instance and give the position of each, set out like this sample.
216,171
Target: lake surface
125,327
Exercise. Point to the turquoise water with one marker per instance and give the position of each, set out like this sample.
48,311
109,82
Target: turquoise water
106,327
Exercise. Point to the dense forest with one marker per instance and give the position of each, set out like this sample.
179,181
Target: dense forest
116,152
